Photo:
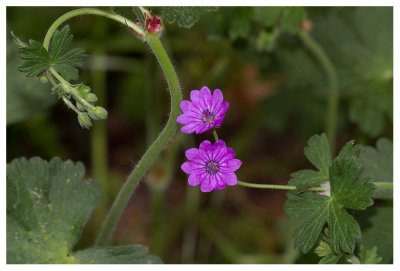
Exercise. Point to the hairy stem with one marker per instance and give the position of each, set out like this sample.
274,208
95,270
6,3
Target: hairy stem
378,186
333,99
153,151
90,11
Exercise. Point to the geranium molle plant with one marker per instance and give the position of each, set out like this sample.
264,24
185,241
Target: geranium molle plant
204,112
212,166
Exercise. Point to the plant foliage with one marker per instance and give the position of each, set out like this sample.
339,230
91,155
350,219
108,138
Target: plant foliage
329,209
36,59
48,204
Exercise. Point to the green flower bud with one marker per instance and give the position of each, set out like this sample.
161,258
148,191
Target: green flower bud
83,89
97,113
84,120
90,97
43,79
80,107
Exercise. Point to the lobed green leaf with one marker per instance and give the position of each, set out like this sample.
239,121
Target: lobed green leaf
36,59
342,189
48,204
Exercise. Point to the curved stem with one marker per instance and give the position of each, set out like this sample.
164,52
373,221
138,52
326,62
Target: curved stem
333,100
152,152
90,11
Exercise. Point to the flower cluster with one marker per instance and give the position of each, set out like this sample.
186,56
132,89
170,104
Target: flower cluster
211,166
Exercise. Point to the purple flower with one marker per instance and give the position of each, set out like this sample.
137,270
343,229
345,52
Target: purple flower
203,112
211,166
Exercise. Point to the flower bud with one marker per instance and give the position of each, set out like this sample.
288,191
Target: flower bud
43,79
90,97
154,25
80,107
97,113
83,89
84,120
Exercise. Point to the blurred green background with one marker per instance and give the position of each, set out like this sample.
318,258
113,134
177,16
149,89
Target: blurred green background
278,98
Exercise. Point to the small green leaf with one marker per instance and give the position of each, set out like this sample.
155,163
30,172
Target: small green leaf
369,256
324,251
36,60
48,203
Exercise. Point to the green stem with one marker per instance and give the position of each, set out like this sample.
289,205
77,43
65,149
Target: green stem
383,186
378,186
274,186
166,134
215,135
333,100
153,151
90,11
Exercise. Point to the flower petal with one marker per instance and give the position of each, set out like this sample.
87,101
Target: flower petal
195,96
217,97
186,167
184,119
191,153
234,164
205,98
193,180
191,127
203,128
206,146
219,144
185,106
205,186
221,110
231,179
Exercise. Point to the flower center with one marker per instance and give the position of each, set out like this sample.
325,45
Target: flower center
212,167
208,117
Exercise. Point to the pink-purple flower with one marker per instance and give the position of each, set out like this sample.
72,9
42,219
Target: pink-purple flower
204,112
212,166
